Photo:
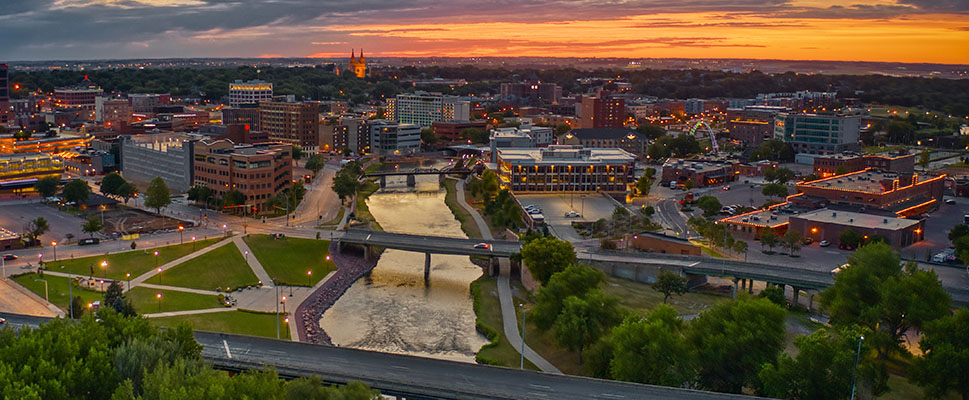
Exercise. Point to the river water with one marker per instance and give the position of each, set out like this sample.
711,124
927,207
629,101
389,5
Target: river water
392,309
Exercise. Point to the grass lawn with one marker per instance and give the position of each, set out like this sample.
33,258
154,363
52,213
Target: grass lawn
468,225
146,301
58,291
135,262
641,297
287,260
367,188
236,322
222,267
488,311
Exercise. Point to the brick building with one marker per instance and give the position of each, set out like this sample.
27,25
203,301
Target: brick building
258,171
825,224
623,138
750,132
701,173
869,189
660,243
450,131
602,112
296,124
825,166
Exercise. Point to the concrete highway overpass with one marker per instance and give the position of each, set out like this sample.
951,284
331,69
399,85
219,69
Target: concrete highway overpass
430,244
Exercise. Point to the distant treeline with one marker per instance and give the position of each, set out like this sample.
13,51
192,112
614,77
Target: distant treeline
320,83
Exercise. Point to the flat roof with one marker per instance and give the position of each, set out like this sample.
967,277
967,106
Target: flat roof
771,217
25,156
868,181
564,154
696,166
858,220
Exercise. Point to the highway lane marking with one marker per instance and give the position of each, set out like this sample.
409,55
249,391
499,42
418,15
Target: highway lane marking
540,386
399,367
537,394
615,396
226,345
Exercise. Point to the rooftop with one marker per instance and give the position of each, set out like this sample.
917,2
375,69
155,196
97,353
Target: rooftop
857,220
867,181
7,157
601,133
772,217
695,165
560,154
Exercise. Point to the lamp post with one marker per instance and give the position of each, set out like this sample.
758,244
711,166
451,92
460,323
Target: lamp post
284,304
309,278
159,296
854,373
181,237
104,264
193,244
277,309
224,231
522,352
247,256
70,292
128,278
159,275
46,297
54,245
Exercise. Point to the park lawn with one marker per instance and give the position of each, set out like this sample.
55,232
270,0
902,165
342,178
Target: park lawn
488,311
468,225
145,300
219,268
288,260
640,297
135,262
239,322
58,291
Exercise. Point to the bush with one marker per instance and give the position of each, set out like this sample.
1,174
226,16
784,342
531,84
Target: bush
607,244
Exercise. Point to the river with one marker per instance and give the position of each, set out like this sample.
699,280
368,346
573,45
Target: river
392,309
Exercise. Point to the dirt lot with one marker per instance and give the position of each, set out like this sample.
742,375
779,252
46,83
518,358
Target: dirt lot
121,221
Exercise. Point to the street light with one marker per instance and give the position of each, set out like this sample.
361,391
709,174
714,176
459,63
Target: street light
309,278
159,296
193,244
128,278
180,236
224,232
247,256
854,373
54,244
159,276
104,264
277,308
46,297
521,360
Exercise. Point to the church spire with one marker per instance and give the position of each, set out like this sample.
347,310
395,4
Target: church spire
353,57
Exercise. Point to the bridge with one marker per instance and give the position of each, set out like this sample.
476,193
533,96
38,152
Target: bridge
412,173
429,245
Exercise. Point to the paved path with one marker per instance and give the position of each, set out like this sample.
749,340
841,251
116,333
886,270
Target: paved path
180,289
509,319
254,264
189,312
18,300
154,271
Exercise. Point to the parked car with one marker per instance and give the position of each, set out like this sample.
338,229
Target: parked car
572,214
484,246
9,257
3,320
950,201
88,241
824,243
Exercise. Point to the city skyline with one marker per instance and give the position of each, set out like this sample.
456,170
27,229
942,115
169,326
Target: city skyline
917,31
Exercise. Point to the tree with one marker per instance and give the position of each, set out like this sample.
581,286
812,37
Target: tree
157,196
958,231
77,304
709,204
775,294
774,190
36,227
669,283
575,280
643,184
76,191
740,246
92,225
47,186
127,191
546,256
233,198
345,184
689,184
475,135
297,153
768,238
850,238
924,158
900,132
111,183
315,163
734,339
428,137
647,211
792,240
115,291
651,131
778,175
774,150
944,366
583,321
652,349
823,368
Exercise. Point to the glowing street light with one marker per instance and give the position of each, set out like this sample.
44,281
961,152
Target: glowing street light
54,244
159,296
104,264
309,278
180,236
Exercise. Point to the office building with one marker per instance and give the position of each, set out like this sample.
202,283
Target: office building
358,134
247,114
333,138
148,102
531,92
112,113
602,112
702,173
296,124
63,142
249,92
258,171
237,133
750,132
870,190
565,169
423,109
623,138
826,166
392,138
825,224
818,133
80,96
165,155
19,172
450,131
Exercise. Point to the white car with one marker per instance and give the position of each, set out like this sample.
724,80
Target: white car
572,214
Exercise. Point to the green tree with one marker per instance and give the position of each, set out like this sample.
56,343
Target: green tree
233,198
709,204
651,131
200,194
92,226
47,186
900,132
36,227
77,304
958,231
669,283
475,135
689,184
774,190
315,163
734,339
944,365
345,184
652,349
823,368
768,238
127,191
924,158
850,238
297,153
584,320
546,256
428,137
775,294
740,246
575,280
157,196
111,183
792,241
76,191
779,175
774,150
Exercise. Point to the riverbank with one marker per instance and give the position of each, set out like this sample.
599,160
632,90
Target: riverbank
468,225
349,269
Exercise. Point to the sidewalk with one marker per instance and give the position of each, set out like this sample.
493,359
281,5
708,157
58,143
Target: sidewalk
154,271
254,264
189,312
509,319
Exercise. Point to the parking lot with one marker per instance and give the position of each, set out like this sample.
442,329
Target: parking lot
590,207
16,216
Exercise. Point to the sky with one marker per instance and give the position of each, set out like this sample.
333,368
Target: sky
933,31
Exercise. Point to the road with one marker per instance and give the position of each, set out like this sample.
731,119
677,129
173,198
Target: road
431,244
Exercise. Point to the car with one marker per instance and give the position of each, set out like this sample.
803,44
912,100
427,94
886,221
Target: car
84,242
9,257
483,246
840,268
950,201
534,212
824,243
807,241
572,214
3,320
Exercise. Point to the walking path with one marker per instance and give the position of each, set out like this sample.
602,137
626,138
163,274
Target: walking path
254,264
154,271
189,312
509,319
180,289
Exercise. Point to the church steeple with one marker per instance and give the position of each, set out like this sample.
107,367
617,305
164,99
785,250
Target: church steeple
361,55
353,58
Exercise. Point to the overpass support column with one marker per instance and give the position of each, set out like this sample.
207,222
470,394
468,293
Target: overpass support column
743,284
735,282
427,266
750,286
411,180
383,181
366,252
797,292
810,302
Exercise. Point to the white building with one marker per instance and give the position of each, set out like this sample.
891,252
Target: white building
250,92
423,109
389,137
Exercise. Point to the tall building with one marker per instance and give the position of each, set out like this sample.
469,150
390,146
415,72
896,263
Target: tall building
249,92
4,95
602,112
424,109
532,92
566,169
113,113
358,66
83,95
165,155
388,137
247,114
258,171
818,133
296,124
